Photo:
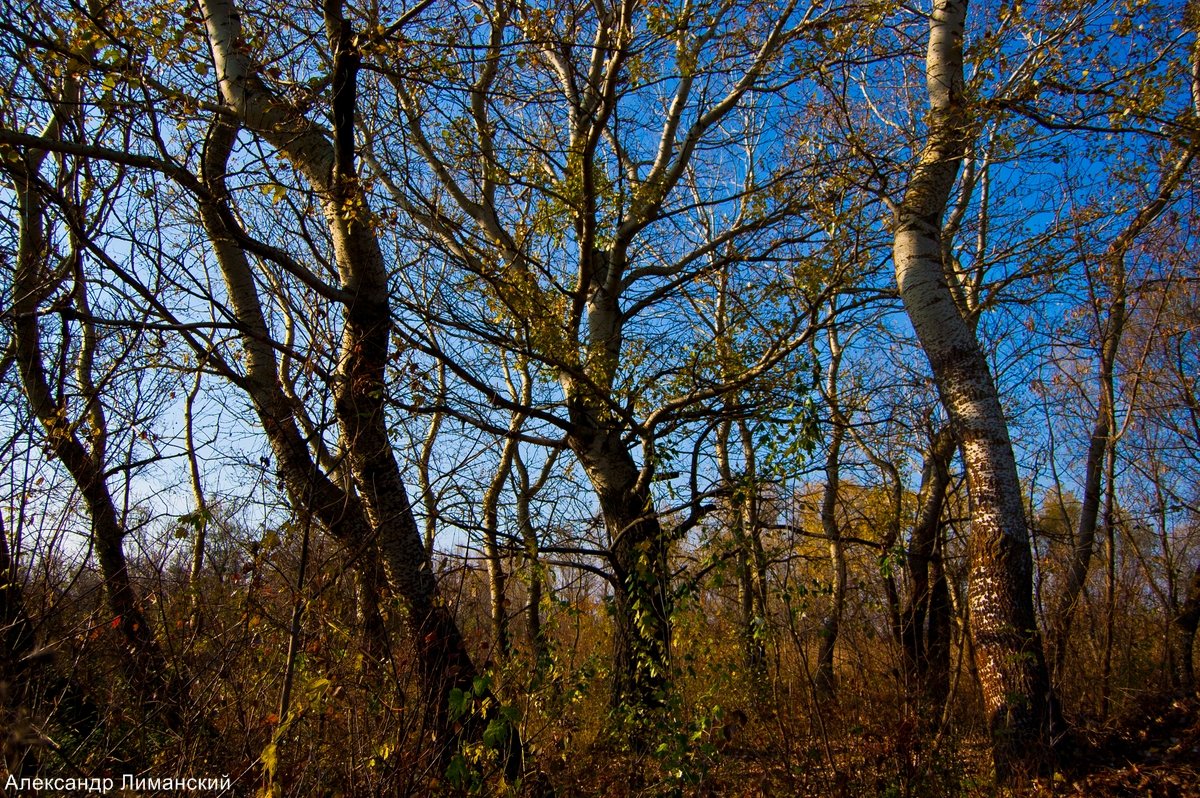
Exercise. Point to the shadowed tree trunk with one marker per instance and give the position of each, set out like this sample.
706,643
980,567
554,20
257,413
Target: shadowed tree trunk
16,644
497,578
35,282
830,624
1011,664
1181,636
377,515
637,543
638,554
16,629
526,489
925,622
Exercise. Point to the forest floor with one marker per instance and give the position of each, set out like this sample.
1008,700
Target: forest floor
1154,752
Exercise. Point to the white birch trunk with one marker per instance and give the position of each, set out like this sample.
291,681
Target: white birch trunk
1008,647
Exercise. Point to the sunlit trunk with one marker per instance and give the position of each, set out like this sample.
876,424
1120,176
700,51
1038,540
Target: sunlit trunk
1010,659
831,622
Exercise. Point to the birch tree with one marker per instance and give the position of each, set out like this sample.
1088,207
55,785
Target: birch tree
376,515
1017,697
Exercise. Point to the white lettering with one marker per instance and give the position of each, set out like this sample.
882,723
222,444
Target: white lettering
136,783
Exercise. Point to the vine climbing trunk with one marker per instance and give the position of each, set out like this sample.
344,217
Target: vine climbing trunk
638,553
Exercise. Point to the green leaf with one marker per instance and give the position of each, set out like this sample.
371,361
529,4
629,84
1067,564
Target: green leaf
456,771
460,702
496,733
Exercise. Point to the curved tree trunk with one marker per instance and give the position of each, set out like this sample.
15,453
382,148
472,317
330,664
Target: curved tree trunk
34,282
379,514
497,578
638,545
638,553
1009,653
535,634
823,676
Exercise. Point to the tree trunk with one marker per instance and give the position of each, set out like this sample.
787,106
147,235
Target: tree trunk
1110,583
830,624
1113,303
497,577
1011,663
638,546
638,552
17,640
1181,636
378,521
16,629
143,659
744,524
823,676
925,622
535,635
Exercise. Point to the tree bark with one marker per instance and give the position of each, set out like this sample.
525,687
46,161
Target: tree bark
535,634
359,387
1181,636
1011,663
638,553
925,621
638,545
497,578
830,624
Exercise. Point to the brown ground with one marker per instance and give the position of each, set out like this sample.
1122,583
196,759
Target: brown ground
1152,753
